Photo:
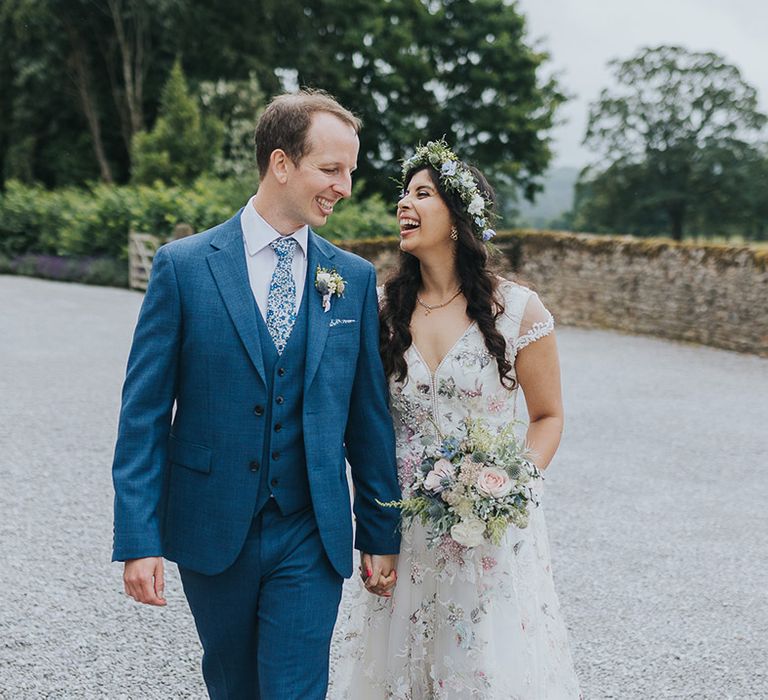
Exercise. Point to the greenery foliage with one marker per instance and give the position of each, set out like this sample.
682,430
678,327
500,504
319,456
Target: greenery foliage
679,143
238,104
182,145
95,221
357,218
413,71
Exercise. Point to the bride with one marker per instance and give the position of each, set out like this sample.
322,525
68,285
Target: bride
457,342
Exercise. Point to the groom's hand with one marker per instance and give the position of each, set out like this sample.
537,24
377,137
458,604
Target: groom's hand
144,580
379,573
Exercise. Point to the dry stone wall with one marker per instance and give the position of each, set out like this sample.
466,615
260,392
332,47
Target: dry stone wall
705,293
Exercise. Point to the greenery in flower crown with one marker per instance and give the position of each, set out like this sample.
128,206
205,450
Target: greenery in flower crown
455,177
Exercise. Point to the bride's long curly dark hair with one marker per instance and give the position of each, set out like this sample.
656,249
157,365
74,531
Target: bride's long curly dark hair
478,284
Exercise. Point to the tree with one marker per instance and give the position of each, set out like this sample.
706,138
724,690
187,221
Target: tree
238,104
415,70
412,69
182,145
671,135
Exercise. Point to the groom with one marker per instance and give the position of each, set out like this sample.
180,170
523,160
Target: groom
274,379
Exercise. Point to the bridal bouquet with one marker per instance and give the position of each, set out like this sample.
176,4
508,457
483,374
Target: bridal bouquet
471,489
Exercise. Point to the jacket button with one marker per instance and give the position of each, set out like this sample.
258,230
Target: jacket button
274,482
278,427
280,400
276,455
258,410
281,372
254,466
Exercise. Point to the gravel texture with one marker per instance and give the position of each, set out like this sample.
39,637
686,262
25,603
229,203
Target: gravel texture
655,507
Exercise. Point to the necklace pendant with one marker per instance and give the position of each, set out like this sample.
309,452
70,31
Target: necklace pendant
426,312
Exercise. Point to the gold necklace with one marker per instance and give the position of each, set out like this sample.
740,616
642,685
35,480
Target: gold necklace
432,307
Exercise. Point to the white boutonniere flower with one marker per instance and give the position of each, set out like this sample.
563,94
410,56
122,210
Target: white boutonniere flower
329,283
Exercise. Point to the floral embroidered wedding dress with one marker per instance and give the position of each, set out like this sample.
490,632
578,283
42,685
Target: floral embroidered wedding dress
481,623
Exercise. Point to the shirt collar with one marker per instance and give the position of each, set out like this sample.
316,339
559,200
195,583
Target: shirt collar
258,234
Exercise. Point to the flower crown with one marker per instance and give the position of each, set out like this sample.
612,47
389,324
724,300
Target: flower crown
455,177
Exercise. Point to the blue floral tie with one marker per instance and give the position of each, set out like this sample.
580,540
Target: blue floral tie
281,302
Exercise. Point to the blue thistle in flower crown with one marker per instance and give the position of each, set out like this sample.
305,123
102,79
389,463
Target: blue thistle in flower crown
455,177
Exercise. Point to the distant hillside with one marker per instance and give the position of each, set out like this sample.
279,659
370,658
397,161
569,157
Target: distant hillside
553,201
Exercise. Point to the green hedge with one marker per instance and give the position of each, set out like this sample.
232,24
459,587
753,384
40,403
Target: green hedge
95,221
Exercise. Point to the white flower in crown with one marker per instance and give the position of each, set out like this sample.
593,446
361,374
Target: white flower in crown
476,206
329,283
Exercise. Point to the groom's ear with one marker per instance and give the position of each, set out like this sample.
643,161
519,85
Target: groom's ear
279,165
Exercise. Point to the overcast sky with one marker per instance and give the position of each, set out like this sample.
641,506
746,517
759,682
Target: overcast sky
582,35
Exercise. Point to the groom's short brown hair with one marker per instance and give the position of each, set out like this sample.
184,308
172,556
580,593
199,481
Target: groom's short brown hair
286,120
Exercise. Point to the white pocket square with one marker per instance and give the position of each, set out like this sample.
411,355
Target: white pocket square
341,321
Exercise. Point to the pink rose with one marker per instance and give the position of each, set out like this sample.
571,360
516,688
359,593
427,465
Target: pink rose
442,470
493,482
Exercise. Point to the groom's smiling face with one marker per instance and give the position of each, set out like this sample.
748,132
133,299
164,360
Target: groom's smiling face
324,174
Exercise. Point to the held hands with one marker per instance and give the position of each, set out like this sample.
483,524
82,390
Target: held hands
378,572
144,580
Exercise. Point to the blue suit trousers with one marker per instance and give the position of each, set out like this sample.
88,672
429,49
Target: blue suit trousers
266,622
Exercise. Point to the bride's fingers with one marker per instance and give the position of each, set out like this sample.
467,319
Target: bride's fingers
384,585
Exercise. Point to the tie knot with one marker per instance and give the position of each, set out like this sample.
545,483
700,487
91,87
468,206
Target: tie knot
283,246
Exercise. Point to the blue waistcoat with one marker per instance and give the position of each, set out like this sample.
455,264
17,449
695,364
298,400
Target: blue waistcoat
283,462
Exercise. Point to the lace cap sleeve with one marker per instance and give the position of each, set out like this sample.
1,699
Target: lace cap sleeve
536,323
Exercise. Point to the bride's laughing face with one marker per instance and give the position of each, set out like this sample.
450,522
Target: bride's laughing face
423,216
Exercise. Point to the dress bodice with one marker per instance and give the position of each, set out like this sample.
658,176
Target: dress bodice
466,383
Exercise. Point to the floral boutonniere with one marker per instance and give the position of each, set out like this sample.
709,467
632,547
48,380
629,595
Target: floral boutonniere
328,283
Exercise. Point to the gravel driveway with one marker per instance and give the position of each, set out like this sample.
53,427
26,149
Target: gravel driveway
656,509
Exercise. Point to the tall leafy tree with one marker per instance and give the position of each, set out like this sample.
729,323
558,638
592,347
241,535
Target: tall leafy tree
421,69
672,134
182,145
41,131
412,69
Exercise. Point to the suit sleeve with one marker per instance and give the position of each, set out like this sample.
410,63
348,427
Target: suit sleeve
138,470
370,441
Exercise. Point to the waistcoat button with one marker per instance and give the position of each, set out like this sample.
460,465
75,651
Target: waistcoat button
254,466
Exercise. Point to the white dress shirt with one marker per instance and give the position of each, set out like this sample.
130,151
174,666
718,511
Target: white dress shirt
262,260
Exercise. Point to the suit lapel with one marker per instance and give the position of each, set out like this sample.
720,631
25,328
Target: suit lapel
320,254
230,271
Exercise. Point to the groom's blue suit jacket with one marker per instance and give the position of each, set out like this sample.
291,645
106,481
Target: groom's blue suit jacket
186,480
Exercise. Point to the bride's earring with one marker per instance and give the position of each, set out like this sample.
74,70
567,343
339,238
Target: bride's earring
454,234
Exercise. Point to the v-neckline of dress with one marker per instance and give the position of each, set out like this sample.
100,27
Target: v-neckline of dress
433,373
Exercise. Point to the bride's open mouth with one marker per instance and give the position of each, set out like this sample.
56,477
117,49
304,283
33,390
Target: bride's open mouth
408,225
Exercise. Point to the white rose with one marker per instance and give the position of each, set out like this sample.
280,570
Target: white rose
469,532
493,482
441,470
476,206
324,277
